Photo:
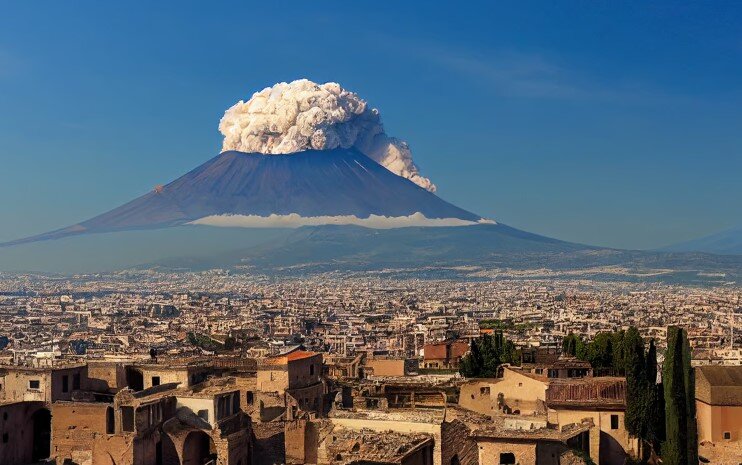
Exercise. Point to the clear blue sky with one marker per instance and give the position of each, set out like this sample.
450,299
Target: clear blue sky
610,123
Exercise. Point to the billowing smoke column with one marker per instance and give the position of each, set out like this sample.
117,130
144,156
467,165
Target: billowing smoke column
301,115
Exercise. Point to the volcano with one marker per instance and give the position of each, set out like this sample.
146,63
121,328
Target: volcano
337,186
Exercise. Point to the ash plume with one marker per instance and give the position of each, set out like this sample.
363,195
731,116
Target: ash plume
300,115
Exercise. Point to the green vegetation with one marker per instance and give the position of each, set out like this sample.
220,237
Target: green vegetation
486,354
681,443
623,352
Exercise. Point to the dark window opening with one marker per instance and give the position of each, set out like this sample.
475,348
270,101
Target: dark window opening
204,415
5,438
508,458
65,383
76,381
155,381
34,384
127,419
614,421
110,422
311,369
727,435
249,397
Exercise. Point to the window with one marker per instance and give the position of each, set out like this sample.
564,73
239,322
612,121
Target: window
76,381
109,420
508,458
65,383
34,384
539,371
520,384
235,402
204,415
5,438
249,397
614,421
155,381
485,391
311,369
127,419
727,435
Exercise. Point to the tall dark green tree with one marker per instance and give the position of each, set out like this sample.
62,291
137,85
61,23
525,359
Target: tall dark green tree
600,351
486,354
637,386
655,400
681,441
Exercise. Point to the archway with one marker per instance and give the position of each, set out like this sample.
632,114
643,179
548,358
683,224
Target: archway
134,379
165,452
42,434
611,452
198,449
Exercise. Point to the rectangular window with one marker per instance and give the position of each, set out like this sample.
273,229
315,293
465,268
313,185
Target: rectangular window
727,435
65,383
127,419
249,396
614,421
236,403
155,381
204,415
76,381
34,384
485,391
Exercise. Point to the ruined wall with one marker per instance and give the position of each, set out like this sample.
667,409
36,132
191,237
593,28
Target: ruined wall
455,442
398,426
166,376
612,444
489,452
477,396
305,371
106,376
17,432
16,386
386,367
269,443
273,379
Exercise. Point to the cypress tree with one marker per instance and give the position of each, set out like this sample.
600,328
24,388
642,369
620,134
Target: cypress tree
655,407
637,417
681,442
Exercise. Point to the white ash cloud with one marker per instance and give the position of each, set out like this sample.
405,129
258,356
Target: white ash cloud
300,115
294,220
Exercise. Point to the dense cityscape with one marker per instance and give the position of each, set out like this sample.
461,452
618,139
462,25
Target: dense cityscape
154,367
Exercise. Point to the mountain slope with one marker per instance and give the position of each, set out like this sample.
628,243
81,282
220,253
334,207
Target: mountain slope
727,242
311,183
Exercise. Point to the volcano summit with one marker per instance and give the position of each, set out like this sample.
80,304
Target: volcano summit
295,154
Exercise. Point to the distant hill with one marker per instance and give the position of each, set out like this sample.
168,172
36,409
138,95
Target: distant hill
727,242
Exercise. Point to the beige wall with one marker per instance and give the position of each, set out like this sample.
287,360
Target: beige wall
489,452
714,420
520,392
602,422
383,367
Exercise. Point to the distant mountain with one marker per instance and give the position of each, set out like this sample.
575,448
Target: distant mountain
727,242
455,252
325,184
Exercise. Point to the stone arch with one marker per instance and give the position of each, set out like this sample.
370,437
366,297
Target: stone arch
42,434
198,449
611,451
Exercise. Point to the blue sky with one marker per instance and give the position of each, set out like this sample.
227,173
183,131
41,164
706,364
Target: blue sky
610,123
